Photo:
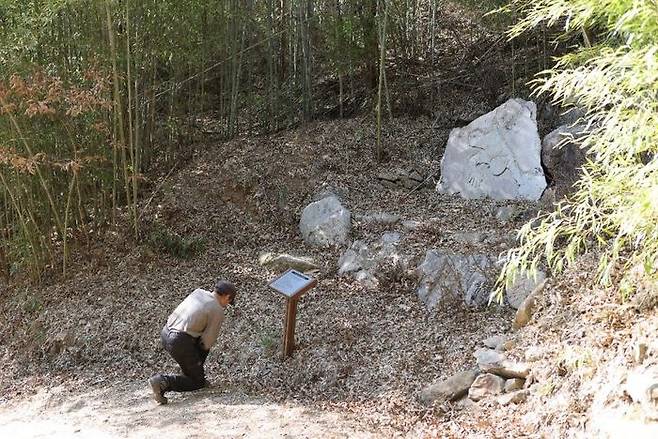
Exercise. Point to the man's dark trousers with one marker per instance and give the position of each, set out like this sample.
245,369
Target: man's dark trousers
189,355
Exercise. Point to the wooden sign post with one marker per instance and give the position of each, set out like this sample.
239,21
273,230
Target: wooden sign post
292,284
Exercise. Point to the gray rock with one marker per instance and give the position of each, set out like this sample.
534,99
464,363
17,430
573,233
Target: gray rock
472,238
514,384
525,311
517,397
370,263
486,385
450,389
561,154
524,284
505,214
496,156
283,261
495,342
325,223
410,225
491,361
445,276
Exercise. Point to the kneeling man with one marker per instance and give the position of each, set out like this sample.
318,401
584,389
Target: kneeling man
191,330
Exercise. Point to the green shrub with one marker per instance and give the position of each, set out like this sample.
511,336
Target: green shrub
166,241
614,77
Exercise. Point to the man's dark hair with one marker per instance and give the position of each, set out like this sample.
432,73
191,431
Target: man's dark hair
225,288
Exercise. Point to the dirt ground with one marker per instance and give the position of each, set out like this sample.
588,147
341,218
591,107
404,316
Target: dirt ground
130,412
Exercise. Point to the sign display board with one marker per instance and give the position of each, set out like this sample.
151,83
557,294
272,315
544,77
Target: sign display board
293,283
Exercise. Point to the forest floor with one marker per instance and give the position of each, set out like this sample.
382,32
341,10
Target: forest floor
77,352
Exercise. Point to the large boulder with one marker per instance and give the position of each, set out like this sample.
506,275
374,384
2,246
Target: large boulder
496,156
325,223
372,263
445,276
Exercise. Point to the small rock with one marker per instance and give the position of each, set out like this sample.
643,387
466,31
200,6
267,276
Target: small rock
533,353
505,214
517,397
640,352
491,361
486,385
527,308
524,284
379,218
371,263
282,262
450,389
410,225
642,387
495,342
514,384
506,346
471,238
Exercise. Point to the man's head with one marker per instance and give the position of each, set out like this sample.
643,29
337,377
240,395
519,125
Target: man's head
225,292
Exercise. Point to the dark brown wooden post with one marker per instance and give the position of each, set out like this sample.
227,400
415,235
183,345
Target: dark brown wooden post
292,284
289,327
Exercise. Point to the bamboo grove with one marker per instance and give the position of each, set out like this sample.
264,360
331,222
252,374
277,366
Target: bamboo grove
95,92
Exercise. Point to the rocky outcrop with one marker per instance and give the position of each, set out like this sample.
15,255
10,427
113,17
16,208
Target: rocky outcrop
445,276
325,223
496,156
371,263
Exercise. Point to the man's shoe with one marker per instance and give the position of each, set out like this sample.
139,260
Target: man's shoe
157,384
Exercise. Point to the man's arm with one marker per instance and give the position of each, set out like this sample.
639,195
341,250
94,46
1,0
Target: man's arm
209,335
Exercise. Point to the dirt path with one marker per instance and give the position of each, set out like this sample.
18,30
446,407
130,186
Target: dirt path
209,413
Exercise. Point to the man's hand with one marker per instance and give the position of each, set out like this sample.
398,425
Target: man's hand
203,352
